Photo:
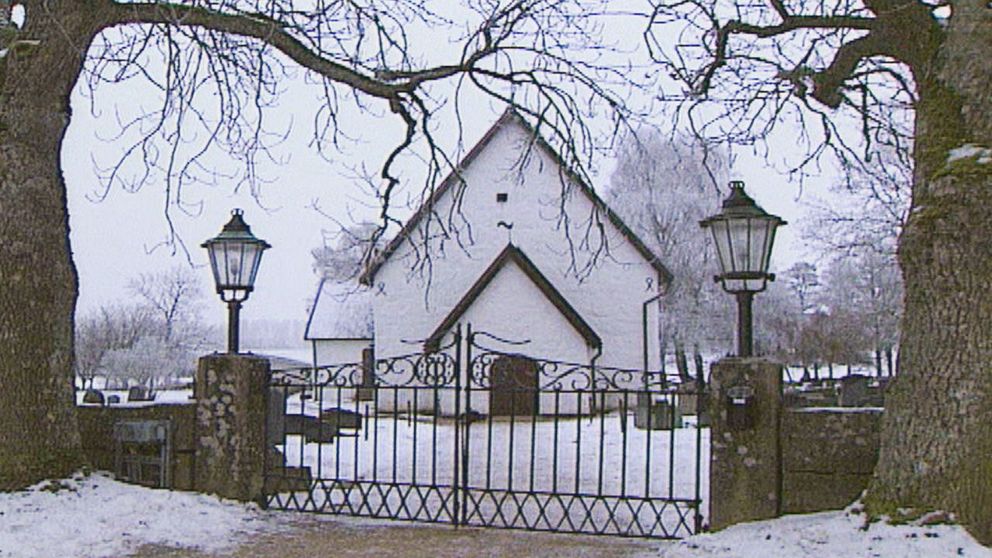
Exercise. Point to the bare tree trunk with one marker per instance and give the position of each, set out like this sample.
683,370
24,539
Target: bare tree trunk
878,362
38,432
700,367
937,432
681,362
888,362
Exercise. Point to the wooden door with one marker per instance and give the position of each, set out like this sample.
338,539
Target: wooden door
513,386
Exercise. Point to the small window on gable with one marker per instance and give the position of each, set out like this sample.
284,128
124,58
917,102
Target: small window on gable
502,197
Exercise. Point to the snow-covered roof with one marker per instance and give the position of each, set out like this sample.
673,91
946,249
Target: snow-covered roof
340,311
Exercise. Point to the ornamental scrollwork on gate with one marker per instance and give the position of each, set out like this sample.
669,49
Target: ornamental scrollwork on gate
554,375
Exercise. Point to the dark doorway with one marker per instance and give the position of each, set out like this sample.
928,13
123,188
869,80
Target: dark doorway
513,387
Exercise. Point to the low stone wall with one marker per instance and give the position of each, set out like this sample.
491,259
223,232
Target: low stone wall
828,455
96,427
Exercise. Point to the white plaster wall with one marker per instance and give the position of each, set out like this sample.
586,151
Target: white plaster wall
609,297
513,308
340,351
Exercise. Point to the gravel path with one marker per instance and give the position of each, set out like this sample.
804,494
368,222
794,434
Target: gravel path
311,537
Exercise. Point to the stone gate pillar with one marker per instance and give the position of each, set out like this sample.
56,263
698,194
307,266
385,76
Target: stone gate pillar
745,451
230,425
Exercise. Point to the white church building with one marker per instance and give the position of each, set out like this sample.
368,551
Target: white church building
520,249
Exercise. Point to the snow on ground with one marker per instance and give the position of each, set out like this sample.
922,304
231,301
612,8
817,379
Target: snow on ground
983,154
96,516
836,534
160,397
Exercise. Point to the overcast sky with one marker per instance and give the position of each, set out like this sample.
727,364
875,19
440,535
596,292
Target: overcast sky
114,239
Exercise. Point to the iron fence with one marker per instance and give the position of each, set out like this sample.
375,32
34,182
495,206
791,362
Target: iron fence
473,436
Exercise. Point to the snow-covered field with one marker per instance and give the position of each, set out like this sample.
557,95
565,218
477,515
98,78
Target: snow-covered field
97,517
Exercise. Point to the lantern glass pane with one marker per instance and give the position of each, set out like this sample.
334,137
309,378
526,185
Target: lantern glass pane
252,257
740,238
233,264
213,250
769,241
722,241
758,245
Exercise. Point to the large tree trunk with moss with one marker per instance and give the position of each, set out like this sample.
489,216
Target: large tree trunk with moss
937,434
38,432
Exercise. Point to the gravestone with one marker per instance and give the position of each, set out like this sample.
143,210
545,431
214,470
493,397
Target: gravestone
93,397
341,418
276,420
113,399
139,393
853,391
657,415
367,390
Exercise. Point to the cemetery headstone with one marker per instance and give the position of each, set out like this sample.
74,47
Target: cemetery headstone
93,397
139,393
853,391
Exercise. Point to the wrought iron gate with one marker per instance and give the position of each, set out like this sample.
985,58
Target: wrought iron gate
472,436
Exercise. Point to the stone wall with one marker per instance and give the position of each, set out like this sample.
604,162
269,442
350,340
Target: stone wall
767,460
828,456
96,427
218,442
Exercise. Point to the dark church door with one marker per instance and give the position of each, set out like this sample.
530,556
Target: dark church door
513,389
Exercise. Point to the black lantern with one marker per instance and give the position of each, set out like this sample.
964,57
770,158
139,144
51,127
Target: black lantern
234,258
743,234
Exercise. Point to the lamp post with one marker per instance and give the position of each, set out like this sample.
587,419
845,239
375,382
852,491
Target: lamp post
235,254
743,234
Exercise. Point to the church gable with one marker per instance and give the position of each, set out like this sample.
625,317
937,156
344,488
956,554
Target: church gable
412,232
513,256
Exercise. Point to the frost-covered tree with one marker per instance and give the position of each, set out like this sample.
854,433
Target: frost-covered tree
859,230
663,187
340,258
866,286
859,77
163,321
173,296
111,327
804,281
146,362
778,323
